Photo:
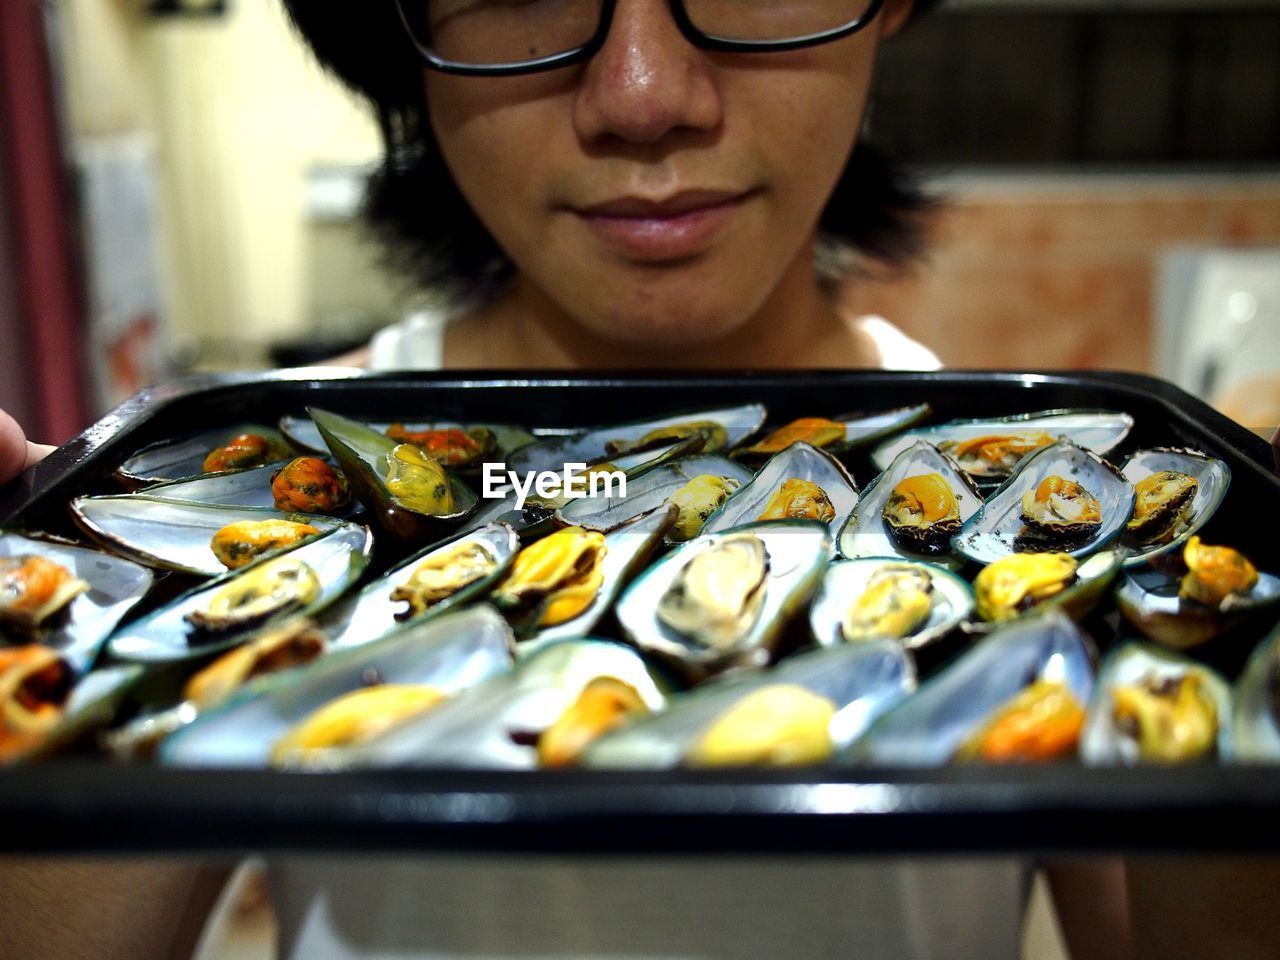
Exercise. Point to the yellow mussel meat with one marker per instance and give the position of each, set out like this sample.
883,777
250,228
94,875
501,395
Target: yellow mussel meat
717,596
922,511
780,725
604,704
1016,583
442,575
1171,719
33,588
799,500
353,719
1061,508
239,544
1043,722
895,604
1161,503
256,595
559,575
418,482
1215,576
815,431
294,644
697,500
994,455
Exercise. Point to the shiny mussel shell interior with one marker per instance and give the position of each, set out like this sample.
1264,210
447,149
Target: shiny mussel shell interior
1255,723
998,528
795,556
455,572
836,435
868,533
1169,526
1152,706
108,588
859,683
191,456
933,724
449,653
927,604
208,619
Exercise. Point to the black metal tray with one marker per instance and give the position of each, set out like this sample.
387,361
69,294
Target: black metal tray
99,807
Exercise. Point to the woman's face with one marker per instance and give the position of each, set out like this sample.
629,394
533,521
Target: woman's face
659,193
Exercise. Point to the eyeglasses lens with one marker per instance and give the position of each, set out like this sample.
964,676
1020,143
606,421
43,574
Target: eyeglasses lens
482,32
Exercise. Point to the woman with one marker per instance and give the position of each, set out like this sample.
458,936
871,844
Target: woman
638,183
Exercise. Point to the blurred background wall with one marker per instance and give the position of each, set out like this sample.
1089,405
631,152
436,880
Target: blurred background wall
1098,164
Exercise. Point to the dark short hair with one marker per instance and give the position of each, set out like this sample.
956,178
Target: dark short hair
429,230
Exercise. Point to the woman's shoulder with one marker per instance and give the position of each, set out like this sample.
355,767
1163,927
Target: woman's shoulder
414,343
893,348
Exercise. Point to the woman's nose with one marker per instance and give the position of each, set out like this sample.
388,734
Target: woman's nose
647,80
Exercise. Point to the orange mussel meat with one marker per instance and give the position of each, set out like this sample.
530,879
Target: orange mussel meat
239,453
453,446
309,485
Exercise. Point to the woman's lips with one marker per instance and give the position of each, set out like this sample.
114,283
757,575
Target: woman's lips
676,228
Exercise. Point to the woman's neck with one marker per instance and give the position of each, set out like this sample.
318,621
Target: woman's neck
799,325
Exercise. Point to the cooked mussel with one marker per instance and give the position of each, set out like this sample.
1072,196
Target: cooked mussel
239,544
604,704
443,574
717,596
922,512
1016,583
241,452
697,500
35,683
815,431
34,588
554,579
1042,722
417,481
1170,719
895,604
1216,576
309,485
713,435
798,499
274,587
353,719
1162,500
994,455
1061,509
293,644
780,725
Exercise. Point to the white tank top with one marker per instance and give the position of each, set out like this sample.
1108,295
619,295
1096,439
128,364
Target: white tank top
448,907
417,343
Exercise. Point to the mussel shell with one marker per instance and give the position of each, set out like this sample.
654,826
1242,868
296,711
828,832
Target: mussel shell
115,585
800,461
927,728
797,555
1213,477
171,534
865,533
92,703
1098,430
337,557
628,549
1094,575
863,681
860,429
303,433
1255,720
235,488
371,613
845,580
177,459
992,532
588,446
497,724
646,492
1101,744
1149,600
453,652
361,453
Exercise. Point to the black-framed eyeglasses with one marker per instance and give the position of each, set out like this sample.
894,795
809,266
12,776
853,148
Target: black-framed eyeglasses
505,37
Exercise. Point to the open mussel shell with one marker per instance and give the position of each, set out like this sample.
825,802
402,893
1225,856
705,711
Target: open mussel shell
866,534
739,423
498,723
927,728
861,681
372,613
235,488
1213,477
1098,430
846,580
538,515
797,551
647,492
92,703
303,433
1149,600
799,461
362,454
627,550
860,429
1093,576
1255,721
337,559
1104,743
997,529
78,631
452,652
177,459
171,534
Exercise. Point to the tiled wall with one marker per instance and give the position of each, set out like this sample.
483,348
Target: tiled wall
1044,272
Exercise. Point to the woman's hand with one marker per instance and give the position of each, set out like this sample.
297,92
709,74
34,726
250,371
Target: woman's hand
16,451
